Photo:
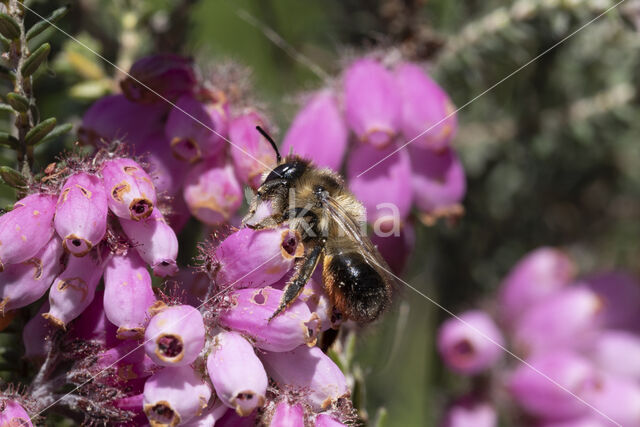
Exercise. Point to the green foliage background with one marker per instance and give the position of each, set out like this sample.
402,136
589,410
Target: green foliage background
552,153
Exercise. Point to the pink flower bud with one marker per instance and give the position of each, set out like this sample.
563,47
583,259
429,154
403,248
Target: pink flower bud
253,258
115,117
246,139
128,360
167,75
439,183
425,106
24,283
130,191
385,209
81,214
250,315
212,192
34,335
192,139
73,290
13,415
318,132
466,346
174,396
155,241
287,415
616,397
310,370
470,412
93,324
210,417
26,229
396,247
570,318
128,294
324,420
619,293
540,397
175,336
617,352
236,373
373,105
537,275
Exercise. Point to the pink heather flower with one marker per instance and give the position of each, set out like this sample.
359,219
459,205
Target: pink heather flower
569,318
81,213
26,228
175,336
251,153
617,352
174,396
34,335
310,370
167,172
212,192
130,191
470,412
192,139
73,290
467,347
250,315
318,301
24,283
128,360
586,421
210,417
384,208
540,397
253,258
165,74
128,294
232,419
13,415
114,117
373,104
537,275
288,415
318,132
155,241
132,404
324,420
439,183
617,397
93,324
395,249
425,105
236,373
619,293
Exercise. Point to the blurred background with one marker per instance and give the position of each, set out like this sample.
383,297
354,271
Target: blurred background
551,154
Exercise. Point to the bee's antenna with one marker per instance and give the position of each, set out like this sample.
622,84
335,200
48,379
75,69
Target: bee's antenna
271,141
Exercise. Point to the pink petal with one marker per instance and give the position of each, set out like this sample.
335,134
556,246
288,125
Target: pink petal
154,77
130,191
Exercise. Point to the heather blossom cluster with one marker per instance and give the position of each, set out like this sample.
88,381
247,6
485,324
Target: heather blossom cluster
578,339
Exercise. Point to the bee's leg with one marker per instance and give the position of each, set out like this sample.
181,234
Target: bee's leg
304,271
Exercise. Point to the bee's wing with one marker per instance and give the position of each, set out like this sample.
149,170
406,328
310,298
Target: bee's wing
351,228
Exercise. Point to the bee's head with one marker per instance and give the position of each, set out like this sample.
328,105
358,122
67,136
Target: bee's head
288,169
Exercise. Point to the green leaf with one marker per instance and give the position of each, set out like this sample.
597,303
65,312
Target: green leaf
43,25
56,132
41,130
18,102
8,140
9,27
36,59
6,73
12,177
7,108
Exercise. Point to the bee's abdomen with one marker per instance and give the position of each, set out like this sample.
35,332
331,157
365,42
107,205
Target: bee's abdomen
355,288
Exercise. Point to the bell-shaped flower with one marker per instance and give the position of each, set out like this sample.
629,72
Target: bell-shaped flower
470,412
127,294
619,293
34,335
617,352
212,192
81,213
285,414
93,325
395,246
175,336
318,132
617,398
373,103
210,417
250,313
130,191
154,77
470,343
236,373
324,420
26,228
13,414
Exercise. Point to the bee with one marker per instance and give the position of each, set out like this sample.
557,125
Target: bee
316,203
